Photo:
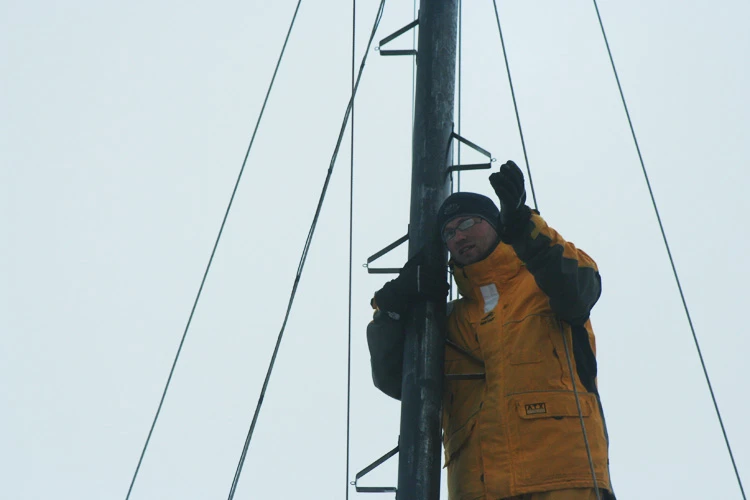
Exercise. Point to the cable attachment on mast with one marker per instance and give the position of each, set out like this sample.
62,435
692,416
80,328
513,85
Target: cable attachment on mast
385,270
471,166
369,468
410,52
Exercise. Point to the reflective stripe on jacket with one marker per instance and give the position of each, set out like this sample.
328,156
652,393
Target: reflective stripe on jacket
518,430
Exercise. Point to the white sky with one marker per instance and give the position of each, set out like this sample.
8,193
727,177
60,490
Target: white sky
124,125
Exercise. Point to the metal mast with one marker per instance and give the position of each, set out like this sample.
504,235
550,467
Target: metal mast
422,384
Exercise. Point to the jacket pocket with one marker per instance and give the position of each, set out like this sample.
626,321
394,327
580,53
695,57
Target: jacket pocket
552,405
457,441
547,445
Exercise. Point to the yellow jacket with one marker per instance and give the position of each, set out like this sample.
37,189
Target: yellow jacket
517,430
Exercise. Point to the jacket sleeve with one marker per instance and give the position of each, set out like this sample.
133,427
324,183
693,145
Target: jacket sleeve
385,338
567,275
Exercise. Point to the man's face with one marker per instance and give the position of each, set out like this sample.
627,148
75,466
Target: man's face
470,245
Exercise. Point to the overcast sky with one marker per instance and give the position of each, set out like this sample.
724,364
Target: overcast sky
123,127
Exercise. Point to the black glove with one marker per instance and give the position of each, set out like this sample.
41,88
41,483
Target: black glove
415,282
509,187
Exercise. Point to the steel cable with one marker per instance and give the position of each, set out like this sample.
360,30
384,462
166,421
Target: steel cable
413,64
213,253
305,252
460,72
458,152
580,415
351,260
669,252
536,206
515,106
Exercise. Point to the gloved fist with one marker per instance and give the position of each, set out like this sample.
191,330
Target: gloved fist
416,281
509,187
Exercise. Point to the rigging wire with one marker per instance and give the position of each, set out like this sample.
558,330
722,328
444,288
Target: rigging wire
536,206
213,251
413,66
460,60
305,252
458,159
669,252
580,414
351,260
515,105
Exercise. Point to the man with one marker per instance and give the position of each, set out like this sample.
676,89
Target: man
523,321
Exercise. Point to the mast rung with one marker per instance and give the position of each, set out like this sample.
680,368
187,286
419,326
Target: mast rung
369,468
469,166
399,32
383,270
405,52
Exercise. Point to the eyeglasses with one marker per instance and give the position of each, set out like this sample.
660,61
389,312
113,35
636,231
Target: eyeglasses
449,234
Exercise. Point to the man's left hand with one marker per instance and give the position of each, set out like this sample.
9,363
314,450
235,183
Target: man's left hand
509,187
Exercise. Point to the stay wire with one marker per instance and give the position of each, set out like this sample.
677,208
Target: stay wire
515,106
351,259
460,60
213,252
413,66
669,253
305,252
458,156
536,206
580,415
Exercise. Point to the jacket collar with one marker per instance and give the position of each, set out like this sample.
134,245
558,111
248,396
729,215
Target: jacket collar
499,266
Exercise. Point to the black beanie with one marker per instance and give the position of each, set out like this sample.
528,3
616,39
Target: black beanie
463,204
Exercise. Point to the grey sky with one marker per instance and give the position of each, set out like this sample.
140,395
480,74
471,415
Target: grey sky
124,126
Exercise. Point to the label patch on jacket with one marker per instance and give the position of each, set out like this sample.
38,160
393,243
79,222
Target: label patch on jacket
536,408
490,296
